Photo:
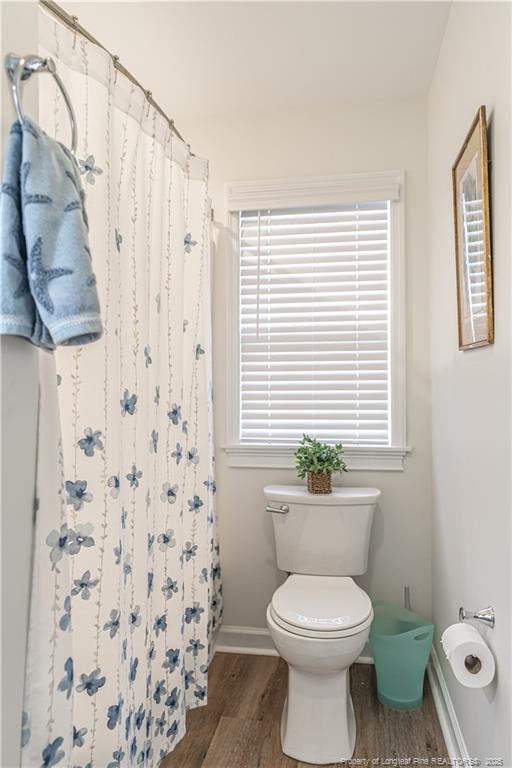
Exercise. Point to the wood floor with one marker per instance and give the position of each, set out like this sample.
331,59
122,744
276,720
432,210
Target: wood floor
239,728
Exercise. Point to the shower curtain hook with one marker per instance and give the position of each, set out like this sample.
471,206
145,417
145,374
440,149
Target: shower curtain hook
149,96
74,19
115,60
171,129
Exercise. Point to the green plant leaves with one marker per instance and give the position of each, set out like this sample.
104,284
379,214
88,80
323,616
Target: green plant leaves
314,456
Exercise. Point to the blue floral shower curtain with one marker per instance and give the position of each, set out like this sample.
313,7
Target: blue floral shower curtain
126,582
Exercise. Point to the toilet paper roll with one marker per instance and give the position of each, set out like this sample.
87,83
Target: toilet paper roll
469,655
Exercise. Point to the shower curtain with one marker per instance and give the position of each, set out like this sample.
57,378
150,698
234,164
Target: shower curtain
126,581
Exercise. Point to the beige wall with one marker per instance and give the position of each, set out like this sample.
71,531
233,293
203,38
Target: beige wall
346,140
471,390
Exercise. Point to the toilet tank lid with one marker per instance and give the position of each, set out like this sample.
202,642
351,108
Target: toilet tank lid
298,494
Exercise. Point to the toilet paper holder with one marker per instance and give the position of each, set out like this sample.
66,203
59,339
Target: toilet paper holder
486,615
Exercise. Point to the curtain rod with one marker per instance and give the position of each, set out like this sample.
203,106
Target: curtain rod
72,23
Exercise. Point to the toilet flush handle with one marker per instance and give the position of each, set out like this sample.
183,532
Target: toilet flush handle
282,510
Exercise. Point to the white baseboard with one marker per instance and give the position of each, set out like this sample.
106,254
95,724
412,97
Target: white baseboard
252,640
453,736
257,641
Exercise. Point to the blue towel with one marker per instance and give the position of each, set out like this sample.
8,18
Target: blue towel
47,287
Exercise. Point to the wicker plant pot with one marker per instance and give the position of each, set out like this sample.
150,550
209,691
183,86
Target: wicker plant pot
318,482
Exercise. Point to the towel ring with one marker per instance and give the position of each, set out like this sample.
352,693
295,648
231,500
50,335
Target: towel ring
20,68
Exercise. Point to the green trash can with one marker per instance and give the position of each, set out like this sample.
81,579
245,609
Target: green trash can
401,642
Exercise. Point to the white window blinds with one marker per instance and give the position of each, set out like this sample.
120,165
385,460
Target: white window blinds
314,324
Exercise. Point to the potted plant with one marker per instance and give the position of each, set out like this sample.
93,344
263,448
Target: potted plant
318,461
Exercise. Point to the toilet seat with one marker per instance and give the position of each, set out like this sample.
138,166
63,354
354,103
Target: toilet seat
324,607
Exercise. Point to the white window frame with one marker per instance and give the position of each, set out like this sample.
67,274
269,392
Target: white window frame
324,190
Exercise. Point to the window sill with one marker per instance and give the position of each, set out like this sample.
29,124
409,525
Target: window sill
378,458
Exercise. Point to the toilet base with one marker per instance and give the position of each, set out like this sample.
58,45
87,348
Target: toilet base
318,723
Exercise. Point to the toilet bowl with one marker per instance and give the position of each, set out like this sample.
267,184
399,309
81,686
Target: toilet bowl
319,625
319,619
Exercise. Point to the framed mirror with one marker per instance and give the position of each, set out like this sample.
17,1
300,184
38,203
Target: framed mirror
473,238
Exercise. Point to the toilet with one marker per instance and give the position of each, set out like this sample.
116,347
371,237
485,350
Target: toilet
319,618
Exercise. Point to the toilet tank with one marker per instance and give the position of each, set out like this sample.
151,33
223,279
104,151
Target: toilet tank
322,535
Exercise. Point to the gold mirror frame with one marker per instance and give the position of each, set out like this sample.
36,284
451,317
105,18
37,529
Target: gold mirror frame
473,158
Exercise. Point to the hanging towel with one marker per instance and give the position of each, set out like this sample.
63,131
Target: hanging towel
47,287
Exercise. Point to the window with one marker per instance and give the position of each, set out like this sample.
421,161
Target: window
318,346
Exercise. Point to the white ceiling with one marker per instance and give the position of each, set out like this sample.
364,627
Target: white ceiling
209,58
